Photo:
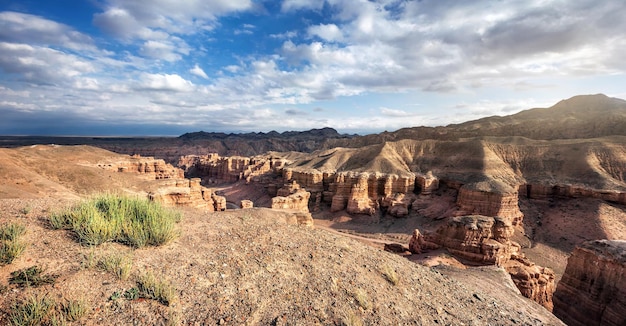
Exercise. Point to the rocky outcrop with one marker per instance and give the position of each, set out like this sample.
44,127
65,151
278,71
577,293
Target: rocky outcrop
481,239
490,199
359,201
592,290
185,192
154,168
293,198
533,281
487,240
245,204
398,204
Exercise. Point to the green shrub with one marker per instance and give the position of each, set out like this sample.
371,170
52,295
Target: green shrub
131,221
11,245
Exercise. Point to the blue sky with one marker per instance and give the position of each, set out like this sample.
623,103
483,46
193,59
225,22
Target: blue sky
166,67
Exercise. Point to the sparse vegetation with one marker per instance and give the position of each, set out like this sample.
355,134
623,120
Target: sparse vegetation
116,264
11,245
361,299
131,221
151,288
34,310
31,277
40,309
352,319
73,310
390,275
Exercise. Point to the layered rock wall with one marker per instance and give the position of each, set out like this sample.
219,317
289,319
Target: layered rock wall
533,281
187,192
473,200
482,239
592,290
214,168
543,191
154,168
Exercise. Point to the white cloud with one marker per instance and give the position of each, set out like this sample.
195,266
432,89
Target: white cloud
164,82
292,5
24,28
196,70
327,32
394,112
125,18
41,65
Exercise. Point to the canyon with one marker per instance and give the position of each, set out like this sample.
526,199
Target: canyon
516,194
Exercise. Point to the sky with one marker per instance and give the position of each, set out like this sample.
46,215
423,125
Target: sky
166,67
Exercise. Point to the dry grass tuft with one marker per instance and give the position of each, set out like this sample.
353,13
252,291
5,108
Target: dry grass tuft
11,245
361,299
151,288
390,274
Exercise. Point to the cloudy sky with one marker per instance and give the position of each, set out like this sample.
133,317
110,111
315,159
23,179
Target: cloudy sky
165,67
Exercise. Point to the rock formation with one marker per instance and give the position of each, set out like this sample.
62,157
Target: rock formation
156,168
486,240
185,192
214,168
487,199
244,204
533,281
593,288
481,239
294,198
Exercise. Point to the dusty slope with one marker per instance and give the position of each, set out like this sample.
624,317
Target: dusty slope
241,267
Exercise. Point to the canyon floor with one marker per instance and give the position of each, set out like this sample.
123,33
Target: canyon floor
242,266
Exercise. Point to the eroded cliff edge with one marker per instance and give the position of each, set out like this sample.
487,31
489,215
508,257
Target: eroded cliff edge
593,288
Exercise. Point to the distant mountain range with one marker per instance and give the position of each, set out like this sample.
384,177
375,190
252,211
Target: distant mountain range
580,117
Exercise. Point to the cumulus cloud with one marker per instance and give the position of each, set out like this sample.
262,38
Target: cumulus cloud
164,82
41,65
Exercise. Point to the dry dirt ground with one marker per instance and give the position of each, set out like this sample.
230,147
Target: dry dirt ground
236,267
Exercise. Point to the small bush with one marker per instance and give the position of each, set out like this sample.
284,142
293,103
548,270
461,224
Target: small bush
31,276
11,245
34,310
151,288
131,221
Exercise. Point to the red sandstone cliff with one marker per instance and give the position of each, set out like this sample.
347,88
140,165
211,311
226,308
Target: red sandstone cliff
156,168
593,288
